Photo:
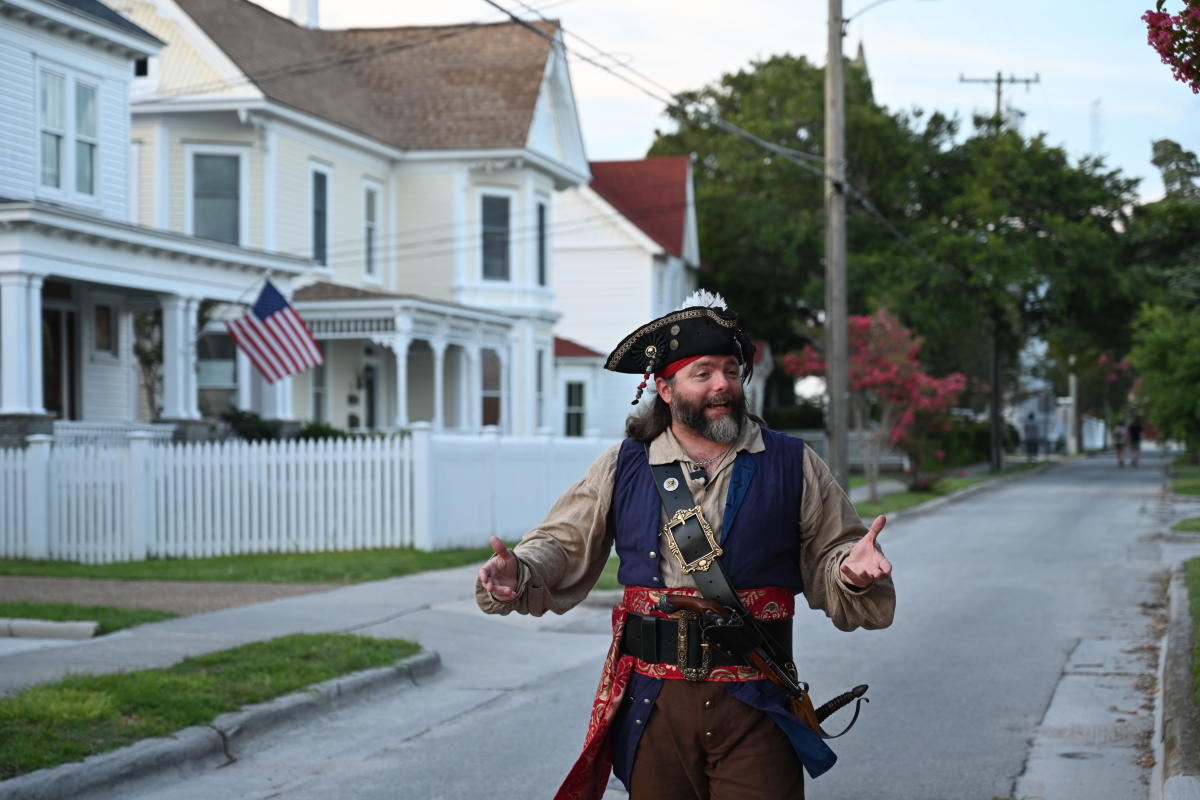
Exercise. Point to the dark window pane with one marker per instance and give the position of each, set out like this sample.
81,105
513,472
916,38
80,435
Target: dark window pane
320,201
541,244
495,238
216,204
141,67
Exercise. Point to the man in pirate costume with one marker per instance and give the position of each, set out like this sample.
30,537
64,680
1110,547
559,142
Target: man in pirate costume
685,708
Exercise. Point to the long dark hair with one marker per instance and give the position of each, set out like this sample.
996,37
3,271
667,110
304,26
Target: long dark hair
648,422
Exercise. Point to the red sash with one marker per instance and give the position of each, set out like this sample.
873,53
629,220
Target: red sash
588,779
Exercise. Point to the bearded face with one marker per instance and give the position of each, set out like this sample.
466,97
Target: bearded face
717,417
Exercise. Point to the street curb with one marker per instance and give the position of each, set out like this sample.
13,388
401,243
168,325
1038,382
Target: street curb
213,744
962,494
1180,733
47,629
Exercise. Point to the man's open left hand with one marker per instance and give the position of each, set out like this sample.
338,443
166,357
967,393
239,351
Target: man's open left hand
865,564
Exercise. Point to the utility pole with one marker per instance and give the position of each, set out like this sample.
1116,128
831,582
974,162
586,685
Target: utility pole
1000,80
996,397
837,349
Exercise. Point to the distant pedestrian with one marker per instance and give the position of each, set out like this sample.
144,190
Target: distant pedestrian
1119,433
1031,436
1135,440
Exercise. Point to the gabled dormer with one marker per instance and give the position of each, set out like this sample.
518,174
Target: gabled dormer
65,73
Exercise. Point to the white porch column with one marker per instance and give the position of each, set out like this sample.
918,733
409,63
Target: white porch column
244,376
472,388
439,383
504,356
176,347
34,310
277,400
400,349
191,392
15,352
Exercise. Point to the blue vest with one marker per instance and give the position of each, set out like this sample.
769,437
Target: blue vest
760,535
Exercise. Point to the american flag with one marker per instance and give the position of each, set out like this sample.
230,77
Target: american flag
274,337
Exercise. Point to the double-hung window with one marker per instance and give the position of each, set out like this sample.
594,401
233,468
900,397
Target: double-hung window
68,134
495,214
320,216
575,409
85,138
52,111
371,232
216,197
543,254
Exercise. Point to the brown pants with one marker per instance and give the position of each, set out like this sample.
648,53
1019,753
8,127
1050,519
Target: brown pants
701,743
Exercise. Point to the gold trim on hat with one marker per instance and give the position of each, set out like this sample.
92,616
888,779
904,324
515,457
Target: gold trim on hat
687,313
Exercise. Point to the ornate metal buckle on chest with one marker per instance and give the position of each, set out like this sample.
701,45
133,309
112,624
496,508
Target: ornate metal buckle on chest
684,620
702,562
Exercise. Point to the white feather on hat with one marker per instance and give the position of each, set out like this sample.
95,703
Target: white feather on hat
704,298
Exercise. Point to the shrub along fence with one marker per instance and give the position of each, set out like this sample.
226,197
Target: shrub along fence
419,489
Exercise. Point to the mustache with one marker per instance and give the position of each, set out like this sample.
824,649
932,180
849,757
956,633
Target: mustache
724,398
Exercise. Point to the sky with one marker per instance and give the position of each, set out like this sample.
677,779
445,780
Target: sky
1100,90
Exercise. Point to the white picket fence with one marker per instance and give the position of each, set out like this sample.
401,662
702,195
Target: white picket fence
418,489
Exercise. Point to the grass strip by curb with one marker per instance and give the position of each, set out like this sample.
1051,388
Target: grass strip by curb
110,618
1189,525
353,566
1185,477
898,501
68,720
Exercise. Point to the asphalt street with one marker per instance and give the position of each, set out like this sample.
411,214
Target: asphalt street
1018,607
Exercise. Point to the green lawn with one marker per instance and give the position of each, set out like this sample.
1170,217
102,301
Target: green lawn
54,723
1185,478
341,567
1190,525
110,618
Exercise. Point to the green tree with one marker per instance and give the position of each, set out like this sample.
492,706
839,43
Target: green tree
761,218
1166,353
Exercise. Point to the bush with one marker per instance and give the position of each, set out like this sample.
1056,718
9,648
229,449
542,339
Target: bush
250,426
321,430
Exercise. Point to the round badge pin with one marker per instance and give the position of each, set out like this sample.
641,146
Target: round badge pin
671,484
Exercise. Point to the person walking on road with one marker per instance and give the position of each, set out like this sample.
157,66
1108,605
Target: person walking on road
1119,434
718,523
1135,440
1030,435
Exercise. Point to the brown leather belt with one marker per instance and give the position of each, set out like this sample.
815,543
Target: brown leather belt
679,641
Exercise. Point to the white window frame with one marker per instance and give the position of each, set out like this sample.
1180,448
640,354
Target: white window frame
511,195
372,233
580,410
68,134
148,84
115,310
79,138
242,151
315,167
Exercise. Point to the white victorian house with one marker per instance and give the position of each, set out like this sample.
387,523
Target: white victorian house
75,265
629,252
418,168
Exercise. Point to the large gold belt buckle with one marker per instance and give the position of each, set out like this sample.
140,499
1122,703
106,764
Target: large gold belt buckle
684,620
701,563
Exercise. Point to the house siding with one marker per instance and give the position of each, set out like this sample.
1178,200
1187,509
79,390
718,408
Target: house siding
186,72
18,124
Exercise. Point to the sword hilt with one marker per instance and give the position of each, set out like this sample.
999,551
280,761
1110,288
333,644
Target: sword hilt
842,700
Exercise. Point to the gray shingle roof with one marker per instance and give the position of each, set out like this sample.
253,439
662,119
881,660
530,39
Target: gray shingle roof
99,11
422,88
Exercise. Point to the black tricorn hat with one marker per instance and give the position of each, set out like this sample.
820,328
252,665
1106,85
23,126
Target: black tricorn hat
703,327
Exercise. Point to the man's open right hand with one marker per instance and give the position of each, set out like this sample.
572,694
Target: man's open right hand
499,574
